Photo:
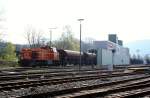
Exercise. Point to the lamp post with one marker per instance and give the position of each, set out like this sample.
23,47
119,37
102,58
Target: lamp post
50,43
113,57
80,20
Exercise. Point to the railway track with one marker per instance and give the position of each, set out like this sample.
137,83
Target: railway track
132,88
63,88
22,72
52,69
48,74
12,72
88,83
133,91
58,80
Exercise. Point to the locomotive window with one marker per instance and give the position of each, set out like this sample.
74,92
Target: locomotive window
54,49
34,55
50,50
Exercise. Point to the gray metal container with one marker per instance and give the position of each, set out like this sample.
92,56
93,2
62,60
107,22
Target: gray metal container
120,42
113,38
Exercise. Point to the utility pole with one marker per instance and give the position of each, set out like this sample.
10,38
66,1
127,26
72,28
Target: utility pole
80,20
50,43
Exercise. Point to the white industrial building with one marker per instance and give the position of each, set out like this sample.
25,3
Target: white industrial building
111,52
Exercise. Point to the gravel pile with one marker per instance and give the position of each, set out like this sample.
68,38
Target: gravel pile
59,87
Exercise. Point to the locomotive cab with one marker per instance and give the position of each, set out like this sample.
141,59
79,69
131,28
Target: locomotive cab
39,56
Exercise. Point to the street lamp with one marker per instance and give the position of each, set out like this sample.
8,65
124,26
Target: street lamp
50,43
113,57
80,20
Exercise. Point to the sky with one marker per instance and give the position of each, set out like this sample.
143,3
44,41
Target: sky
129,19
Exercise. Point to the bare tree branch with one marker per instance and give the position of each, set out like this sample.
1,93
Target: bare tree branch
34,38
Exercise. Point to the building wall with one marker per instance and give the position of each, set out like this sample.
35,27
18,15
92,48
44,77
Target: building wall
121,56
105,56
100,44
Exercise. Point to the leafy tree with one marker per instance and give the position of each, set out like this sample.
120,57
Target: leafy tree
67,41
8,52
134,56
147,58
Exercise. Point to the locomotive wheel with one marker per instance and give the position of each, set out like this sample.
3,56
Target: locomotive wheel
24,63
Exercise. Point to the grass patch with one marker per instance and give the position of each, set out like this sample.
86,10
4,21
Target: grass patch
9,64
